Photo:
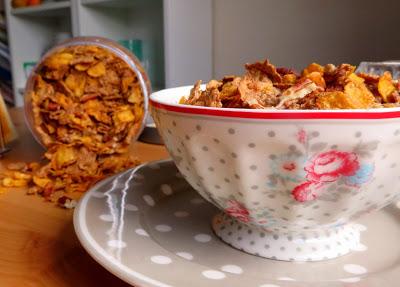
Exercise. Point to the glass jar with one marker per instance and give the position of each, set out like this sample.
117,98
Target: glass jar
106,44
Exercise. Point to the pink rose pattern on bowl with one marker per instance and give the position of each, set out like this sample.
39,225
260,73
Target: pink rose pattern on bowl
316,176
323,168
237,210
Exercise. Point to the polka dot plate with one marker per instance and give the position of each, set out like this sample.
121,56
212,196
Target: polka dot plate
150,228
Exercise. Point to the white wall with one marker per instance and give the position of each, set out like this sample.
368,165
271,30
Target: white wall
296,32
188,41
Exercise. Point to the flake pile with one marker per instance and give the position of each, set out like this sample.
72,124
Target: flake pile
87,106
264,86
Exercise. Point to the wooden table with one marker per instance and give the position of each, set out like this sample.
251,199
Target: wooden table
38,245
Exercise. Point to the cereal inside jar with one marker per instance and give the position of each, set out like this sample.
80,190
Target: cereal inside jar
86,101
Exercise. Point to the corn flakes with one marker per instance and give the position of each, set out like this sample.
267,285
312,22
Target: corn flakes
87,106
319,87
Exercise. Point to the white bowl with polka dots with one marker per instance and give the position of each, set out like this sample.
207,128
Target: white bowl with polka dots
291,180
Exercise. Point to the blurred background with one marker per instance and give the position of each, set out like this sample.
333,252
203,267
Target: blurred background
180,41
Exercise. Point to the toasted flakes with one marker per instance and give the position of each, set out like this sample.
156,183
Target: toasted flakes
87,106
317,78
264,86
386,86
21,175
64,156
298,91
41,181
97,70
82,67
289,79
313,67
12,182
357,93
333,100
76,83
124,116
58,60
264,69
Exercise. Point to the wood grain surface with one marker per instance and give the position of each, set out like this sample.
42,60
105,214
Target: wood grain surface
38,245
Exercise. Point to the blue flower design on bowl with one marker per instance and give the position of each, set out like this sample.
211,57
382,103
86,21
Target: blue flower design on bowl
289,167
363,175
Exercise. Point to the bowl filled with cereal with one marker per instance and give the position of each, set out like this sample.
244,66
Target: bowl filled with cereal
291,160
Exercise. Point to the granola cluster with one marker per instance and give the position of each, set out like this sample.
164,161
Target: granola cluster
317,87
87,106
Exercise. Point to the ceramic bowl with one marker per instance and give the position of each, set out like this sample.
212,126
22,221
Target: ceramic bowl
289,183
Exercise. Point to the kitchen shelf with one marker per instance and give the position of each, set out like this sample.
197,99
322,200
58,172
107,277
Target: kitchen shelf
47,9
112,3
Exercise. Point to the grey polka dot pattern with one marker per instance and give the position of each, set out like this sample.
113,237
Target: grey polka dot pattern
272,156
211,168
234,155
222,161
271,134
315,134
252,145
231,131
204,148
358,134
253,167
216,140
198,127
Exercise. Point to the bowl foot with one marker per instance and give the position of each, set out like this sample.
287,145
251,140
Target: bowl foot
315,245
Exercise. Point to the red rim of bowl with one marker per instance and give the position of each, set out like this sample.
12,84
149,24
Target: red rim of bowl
371,114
